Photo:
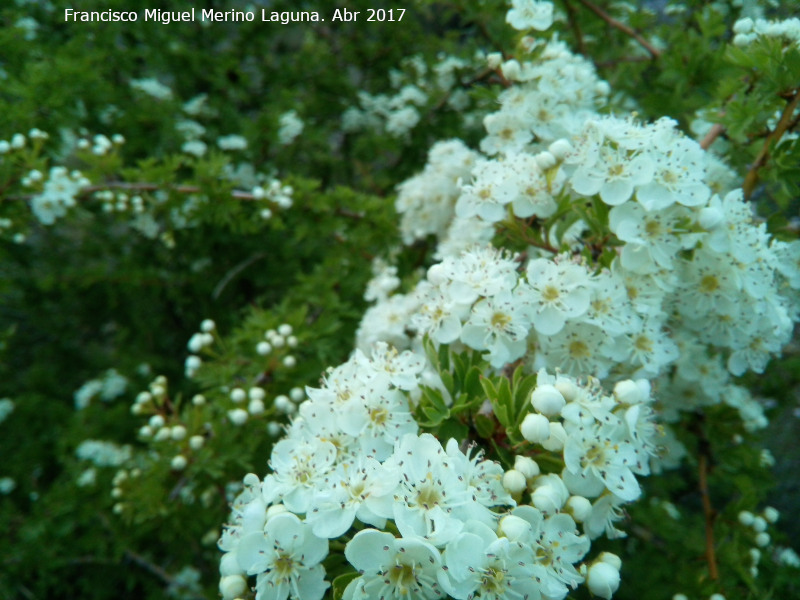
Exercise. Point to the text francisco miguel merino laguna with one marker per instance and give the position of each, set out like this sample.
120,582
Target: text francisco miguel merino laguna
166,17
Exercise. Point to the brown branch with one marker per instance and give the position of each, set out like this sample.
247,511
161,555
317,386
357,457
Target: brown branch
708,513
784,124
713,133
575,26
654,52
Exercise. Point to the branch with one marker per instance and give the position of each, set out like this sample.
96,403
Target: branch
654,52
713,133
708,513
575,26
784,124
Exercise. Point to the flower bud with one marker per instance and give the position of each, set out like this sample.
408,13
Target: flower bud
178,432
285,330
511,70
628,392
256,407
545,160
238,416
232,586
535,428
762,539
746,518
547,499
238,395
527,466
558,436
196,442
514,482
579,507
602,579
256,393
759,524
156,421
275,510
513,527
178,463
611,558
560,148
547,400
207,326
493,59
771,514
228,565
263,348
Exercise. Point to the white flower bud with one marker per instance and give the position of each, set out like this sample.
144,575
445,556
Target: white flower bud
238,416
762,539
278,341
232,587
627,392
755,554
526,465
493,59
547,400
198,400
207,338
291,341
163,434
228,565
282,403
285,330
145,431
771,514
602,579
274,429
437,274
680,597
195,343
256,393
297,394
143,397
560,148
746,518
535,428
557,439
289,361
513,527
18,141
612,559
568,389
759,524
511,69
602,88
716,597
579,507
156,421
514,481
256,407
207,326
193,363
178,463
545,160
263,348
547,499
116,493
238,395
274,510
196,442
178,432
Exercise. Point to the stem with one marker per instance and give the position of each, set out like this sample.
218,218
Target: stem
575,26
142,187
654,52
784,124
708,513
713,133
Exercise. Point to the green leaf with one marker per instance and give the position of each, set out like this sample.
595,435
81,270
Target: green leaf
485,426
340,584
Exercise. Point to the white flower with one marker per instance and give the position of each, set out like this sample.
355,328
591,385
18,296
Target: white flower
286,557
392,568
557,292
499,325
603,579
290,127
530,14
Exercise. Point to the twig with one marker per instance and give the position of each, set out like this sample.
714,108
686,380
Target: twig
708,513
784,124
148,566
218,289
654,52
575,26
713,133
